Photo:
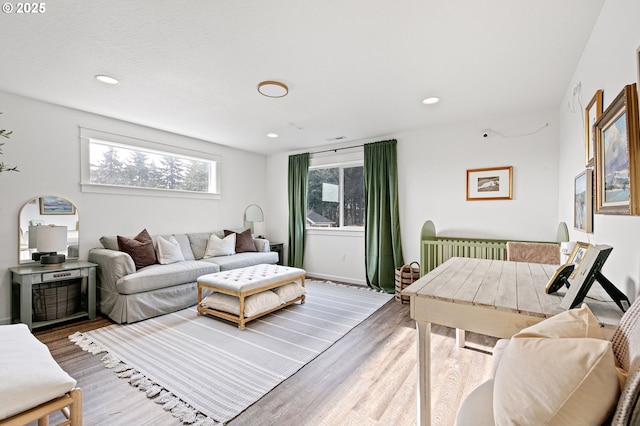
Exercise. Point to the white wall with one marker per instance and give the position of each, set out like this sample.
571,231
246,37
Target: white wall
45,145
608,63
432,166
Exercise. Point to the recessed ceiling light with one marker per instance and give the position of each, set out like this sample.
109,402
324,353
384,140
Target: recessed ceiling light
272,135
431,100
273,89
106,79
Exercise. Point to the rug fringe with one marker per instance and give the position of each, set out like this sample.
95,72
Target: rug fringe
178,408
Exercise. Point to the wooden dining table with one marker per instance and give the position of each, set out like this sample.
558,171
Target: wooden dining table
490,297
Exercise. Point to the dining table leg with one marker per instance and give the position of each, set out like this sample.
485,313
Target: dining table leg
424,373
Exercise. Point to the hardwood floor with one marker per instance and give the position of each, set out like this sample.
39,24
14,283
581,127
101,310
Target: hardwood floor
366,378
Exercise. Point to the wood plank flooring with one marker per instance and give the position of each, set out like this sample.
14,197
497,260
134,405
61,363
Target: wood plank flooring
366,378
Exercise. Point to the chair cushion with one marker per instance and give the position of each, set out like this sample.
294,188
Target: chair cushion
477,407
30,375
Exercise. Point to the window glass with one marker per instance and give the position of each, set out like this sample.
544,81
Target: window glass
121,165
335,197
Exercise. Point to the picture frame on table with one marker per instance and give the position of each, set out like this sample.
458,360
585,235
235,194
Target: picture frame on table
56,205
493,183
592,112
577,256
583,202
617,178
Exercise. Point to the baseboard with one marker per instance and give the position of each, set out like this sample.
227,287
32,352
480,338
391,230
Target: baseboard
336,278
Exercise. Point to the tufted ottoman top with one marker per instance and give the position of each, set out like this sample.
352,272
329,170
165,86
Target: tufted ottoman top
252,277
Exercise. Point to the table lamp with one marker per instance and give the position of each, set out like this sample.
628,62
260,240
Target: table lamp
259,229
50,240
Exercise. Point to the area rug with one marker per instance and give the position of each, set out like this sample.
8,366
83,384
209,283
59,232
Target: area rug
206,371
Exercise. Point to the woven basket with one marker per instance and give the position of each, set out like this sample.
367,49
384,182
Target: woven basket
55,300
405,276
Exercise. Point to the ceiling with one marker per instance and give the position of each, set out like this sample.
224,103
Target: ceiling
357,69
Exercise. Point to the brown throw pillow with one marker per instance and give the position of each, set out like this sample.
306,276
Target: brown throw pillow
244,240
140,248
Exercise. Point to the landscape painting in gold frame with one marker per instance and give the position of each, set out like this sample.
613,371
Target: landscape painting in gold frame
494,183
617,154
592,112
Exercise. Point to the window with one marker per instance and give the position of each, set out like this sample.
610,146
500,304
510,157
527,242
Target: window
114,166
335,196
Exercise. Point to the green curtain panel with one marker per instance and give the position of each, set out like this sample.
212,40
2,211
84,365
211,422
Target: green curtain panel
383,245
298,173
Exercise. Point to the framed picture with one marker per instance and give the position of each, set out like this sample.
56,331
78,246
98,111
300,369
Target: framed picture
591,114
616,157
577,256
56,205
583,202
490,184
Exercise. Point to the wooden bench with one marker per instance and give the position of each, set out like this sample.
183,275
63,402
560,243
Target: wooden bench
244,294
33,385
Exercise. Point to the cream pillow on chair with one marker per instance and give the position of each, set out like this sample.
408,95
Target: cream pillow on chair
566,381
577,322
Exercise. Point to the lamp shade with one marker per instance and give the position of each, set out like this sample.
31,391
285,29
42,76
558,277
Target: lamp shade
260,228
51,238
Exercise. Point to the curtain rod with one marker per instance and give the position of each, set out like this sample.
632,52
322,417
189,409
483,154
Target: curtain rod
337,149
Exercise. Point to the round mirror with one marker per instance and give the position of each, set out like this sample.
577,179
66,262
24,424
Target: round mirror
47,210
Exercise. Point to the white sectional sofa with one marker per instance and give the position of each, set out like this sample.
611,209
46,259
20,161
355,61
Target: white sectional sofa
127,294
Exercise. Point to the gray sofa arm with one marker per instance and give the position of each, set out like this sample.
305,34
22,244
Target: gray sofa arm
262,245
112,265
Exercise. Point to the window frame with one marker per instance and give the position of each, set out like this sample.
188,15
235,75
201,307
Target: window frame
341,165
88,134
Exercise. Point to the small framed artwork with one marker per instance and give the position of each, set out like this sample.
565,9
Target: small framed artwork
617,174
56,205
583,202
490,184
591,114
577,256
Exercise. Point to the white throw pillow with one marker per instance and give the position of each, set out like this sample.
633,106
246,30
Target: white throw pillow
253,305
289,292
578,322
558,381
169,250
220,246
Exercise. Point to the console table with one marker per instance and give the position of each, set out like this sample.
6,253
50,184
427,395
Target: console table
492,297
27,278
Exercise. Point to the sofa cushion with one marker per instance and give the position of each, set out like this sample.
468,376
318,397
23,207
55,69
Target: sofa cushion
169,250
220,246
159,276
240,260
244,240
140,248
557,381
198,242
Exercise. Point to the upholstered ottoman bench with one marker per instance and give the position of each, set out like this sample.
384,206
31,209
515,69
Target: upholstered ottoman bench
33,385
244,294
